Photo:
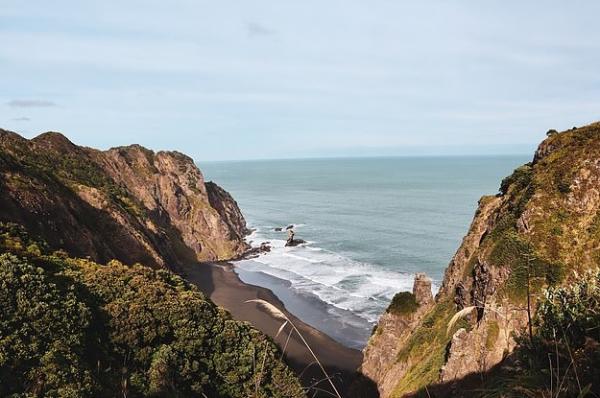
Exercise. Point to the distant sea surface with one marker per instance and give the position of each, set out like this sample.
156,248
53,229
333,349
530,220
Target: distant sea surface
370,224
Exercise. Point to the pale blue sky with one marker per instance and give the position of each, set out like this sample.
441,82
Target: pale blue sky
279,79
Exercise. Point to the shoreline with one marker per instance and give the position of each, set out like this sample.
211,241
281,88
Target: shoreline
342,325
222,285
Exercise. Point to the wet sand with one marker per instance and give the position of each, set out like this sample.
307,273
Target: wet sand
224,287
343,326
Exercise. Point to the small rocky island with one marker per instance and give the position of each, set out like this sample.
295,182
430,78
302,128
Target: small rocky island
291,240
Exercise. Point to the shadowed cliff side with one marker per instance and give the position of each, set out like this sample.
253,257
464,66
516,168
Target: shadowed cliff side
127,203
540,232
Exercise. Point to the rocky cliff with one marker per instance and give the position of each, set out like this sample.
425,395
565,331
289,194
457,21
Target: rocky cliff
540,230
127,203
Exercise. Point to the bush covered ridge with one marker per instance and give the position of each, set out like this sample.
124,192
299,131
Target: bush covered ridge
74,328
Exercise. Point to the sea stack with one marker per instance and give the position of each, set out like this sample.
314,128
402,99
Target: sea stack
422,289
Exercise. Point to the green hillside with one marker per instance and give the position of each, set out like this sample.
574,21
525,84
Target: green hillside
73,328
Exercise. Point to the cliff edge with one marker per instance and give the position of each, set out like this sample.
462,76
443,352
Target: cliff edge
126,203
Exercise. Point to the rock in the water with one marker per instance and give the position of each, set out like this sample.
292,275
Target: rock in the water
291,240
278,229
254,252
294,242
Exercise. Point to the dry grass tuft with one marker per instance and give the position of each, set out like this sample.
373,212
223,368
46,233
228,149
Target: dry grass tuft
460,314
278,314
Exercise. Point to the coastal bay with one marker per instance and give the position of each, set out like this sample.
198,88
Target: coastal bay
370,224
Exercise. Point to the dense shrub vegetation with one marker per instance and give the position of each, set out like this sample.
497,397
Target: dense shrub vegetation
574,310
403,303
519,179
73,328
562,358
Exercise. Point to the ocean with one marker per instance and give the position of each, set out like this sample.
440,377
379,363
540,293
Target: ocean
370,225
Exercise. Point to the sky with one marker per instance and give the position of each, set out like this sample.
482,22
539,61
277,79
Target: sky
249,79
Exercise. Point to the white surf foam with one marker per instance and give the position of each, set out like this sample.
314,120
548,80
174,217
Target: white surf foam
362,288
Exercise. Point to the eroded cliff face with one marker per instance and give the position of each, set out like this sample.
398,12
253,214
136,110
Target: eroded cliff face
227,207
127,203
544,225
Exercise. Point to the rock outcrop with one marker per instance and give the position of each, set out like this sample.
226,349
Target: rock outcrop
227,207
256,251
544,224
422,289
127,203
379,363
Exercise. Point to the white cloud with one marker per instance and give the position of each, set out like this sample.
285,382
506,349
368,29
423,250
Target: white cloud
29,103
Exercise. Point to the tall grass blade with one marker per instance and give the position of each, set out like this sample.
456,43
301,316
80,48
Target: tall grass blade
460,314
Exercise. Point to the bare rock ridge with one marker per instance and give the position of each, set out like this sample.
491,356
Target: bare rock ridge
126,203
545,218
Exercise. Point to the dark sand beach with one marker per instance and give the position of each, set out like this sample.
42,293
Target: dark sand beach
223,286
